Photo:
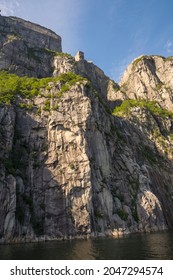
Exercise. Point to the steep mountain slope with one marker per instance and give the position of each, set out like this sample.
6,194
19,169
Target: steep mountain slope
70,165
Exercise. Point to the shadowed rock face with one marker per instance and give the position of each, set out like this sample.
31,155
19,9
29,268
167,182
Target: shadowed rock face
68,166
25,47
34,34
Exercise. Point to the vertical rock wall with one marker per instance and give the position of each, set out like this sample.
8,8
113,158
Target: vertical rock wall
68,167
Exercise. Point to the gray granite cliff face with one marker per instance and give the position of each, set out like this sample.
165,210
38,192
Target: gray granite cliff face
34,34
69,167
25,47
150,77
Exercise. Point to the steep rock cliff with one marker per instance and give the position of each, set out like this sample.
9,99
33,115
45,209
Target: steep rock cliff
69,166
27,48
150,77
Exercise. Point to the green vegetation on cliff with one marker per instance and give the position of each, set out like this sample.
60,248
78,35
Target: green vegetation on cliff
152,106
36,53
137,60
12,85
142,57
64,55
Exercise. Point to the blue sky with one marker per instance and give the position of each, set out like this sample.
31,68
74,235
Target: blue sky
110,32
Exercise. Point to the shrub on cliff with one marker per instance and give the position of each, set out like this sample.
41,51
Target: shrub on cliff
152,106
12,85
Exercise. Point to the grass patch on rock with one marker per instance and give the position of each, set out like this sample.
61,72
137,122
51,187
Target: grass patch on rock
152,106
12,85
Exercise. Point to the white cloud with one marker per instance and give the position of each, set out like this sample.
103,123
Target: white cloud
9,7
169,47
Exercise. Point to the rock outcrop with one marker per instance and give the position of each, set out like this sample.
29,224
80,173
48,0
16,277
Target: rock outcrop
150,77
72,166
27,48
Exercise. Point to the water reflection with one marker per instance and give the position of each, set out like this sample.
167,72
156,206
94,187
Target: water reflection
159,245
136,246
83,250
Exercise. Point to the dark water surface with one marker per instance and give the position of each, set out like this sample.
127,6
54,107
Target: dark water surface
151,246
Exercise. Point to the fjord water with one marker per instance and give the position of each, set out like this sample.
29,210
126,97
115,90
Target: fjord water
152,246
